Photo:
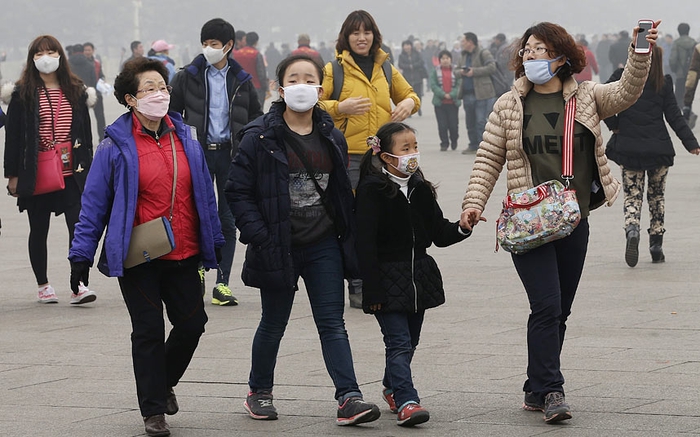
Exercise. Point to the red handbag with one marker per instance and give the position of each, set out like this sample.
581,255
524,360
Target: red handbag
49,172
50,163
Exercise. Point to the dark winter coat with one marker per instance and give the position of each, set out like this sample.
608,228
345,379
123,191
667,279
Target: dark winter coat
412,67
393,234
82,67
22,142
258,195
190,97
642,141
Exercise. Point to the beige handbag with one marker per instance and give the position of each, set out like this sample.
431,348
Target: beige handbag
154,238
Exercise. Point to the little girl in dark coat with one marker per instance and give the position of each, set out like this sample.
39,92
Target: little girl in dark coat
398,218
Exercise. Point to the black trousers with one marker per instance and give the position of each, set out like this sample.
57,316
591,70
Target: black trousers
159,364
447,116
39,210
550,274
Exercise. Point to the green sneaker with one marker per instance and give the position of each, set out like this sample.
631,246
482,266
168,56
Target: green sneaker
222,296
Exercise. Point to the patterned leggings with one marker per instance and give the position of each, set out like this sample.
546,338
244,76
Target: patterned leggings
633,185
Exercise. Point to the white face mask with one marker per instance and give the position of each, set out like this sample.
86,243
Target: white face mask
539,71
301,97
47,64
213,55
408,164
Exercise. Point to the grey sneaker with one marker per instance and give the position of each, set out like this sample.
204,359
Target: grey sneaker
555,407
355,411
259,406
532,402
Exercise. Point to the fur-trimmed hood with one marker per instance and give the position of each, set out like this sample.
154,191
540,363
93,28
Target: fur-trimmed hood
7,89
6,92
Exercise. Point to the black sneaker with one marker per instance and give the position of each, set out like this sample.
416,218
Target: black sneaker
532,402
556,408
259,406
355,411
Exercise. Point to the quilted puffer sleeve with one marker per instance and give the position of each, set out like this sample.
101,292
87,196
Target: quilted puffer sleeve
614,97
490,157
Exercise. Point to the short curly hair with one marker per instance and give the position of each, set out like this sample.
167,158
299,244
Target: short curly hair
559,42
127,82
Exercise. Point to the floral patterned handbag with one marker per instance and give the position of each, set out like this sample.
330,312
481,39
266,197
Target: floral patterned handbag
547,212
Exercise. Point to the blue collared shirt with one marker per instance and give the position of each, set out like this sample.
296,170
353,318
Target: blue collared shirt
219,129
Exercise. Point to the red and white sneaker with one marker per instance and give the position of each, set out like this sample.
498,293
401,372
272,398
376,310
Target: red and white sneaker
47,294
388,396
85,295
412,414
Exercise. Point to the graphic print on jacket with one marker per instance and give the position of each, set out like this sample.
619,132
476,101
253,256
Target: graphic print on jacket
309,219
543,130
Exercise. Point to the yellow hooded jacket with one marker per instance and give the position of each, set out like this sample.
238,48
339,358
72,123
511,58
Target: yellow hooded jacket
357,128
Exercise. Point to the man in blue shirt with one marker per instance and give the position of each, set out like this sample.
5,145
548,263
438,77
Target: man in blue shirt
216,96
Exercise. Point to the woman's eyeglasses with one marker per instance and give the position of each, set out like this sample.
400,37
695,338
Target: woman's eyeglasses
152,89
539,51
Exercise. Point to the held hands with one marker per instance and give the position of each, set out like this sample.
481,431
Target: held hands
652,35
470,217
355,105
79,272
695,151
403,109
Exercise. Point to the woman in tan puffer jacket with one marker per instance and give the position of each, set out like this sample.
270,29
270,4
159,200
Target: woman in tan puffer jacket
524,132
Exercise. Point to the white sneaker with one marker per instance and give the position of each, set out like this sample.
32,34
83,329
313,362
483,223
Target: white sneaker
85,295
47,294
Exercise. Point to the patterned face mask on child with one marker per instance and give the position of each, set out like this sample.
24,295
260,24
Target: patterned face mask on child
408,164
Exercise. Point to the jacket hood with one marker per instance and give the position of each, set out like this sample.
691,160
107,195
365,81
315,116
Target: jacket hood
199,64
274,120
378,179
121,128
523,86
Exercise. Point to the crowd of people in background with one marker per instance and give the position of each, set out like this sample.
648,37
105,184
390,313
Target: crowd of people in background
321,177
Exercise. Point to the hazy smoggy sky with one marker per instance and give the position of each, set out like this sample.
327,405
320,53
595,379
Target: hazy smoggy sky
110,23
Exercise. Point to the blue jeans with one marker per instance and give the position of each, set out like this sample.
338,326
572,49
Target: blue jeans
550,274
321,266
401,333
476,113
219,162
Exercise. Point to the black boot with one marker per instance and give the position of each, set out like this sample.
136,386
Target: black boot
655,243
632,247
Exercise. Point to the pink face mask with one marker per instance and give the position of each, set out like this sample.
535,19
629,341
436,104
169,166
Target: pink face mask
154,106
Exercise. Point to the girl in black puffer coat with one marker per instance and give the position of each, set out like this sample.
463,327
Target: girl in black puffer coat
398,218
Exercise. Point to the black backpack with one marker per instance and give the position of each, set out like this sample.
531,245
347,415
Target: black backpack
339,77
500,84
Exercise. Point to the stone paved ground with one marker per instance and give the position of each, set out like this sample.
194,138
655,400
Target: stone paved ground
631,359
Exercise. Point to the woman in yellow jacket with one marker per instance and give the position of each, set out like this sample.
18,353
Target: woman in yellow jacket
364,102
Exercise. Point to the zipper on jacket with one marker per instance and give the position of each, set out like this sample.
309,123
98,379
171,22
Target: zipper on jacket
230,113
413,258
